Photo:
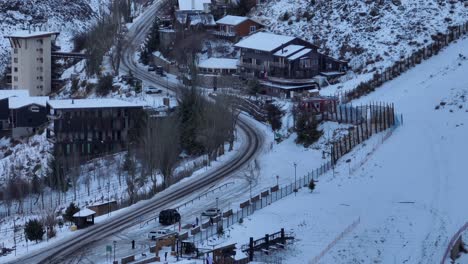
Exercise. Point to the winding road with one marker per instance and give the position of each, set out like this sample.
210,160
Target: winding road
61,251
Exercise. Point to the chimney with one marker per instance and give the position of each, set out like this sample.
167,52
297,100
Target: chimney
193,4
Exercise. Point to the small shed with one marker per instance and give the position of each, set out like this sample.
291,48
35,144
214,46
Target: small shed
84,218
103,207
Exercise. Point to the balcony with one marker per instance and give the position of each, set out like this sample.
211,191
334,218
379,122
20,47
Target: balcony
252,66
223,34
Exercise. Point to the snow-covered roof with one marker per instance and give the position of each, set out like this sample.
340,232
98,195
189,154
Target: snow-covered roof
90,103
85,212
21,101
218,63
288,50
31,34
264,41
11,93
232,20
193,4
299,54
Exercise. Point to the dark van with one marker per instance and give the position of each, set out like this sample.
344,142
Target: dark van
169,217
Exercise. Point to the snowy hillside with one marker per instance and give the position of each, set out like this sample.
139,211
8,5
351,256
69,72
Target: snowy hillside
67,17
364,32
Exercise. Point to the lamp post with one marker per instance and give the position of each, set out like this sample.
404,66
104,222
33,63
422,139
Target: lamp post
217,199
295,178
115,244
277,180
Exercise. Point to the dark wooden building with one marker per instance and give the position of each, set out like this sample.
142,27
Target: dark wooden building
4,108
266,54
236,27
27,114
89,127
84,218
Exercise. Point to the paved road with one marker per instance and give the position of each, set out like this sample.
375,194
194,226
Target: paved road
66,249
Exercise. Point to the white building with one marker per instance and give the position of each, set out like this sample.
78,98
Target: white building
31,61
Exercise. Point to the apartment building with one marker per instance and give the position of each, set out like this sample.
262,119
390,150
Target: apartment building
89,127
31,61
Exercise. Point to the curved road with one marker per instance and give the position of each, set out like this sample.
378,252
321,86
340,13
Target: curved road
61,250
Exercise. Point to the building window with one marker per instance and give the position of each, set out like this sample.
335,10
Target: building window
15,51
15,69
34,109
40,41
40,60
253,29
15,60
15,78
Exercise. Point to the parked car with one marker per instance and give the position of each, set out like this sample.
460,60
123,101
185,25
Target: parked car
152,90
161,234
169,217
151,68
211,212
160,70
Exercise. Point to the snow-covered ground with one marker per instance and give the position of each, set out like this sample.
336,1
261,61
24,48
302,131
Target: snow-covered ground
408,195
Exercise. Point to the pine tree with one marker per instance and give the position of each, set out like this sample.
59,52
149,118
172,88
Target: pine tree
153,39
70,211
34,230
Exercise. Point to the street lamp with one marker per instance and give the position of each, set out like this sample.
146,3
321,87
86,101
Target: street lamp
295,178
115,244
277,180
217,199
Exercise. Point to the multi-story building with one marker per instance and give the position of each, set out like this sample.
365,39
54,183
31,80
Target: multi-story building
266,54
31,61
285,65
235,27
88,127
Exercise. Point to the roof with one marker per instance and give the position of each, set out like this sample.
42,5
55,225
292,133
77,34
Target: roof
218,63
85,212
90,103
232,20
11,93
22,101
299,54
264,41
288,50
31,34
193,4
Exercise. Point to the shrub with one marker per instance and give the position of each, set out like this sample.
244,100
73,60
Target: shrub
104,85
34,230
285,16
74,85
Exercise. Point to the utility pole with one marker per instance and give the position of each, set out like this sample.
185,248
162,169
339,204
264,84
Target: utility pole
295,179
115,245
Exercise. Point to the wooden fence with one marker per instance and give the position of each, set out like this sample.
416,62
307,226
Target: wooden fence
439,41
378,117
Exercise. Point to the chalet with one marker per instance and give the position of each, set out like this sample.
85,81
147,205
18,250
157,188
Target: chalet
4,109
219,66
27,114
236,27
284,64
91,127
194,14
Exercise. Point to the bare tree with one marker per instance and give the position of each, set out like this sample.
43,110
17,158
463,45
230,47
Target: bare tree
251,174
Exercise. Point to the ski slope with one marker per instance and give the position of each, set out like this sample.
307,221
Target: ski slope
410,195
